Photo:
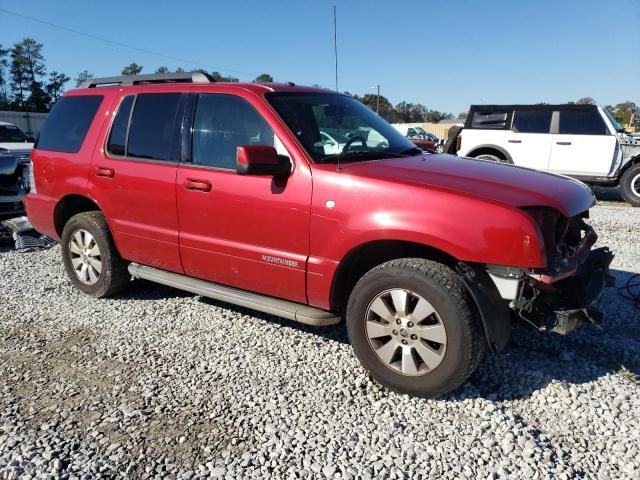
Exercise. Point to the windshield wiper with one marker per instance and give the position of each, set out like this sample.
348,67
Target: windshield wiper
359,155
410,152
355,155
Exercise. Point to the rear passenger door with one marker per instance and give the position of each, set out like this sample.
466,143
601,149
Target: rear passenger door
133,178
582,144
529,141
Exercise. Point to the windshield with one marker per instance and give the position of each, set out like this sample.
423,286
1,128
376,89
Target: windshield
331,126
616,125
11,134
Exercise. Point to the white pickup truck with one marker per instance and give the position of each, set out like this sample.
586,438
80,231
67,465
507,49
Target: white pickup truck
581,141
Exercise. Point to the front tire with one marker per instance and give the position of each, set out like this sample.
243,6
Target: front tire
630,185
90,256
411,325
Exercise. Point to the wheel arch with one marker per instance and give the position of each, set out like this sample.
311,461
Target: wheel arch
484,297
362,258
490,149
627,165
71,205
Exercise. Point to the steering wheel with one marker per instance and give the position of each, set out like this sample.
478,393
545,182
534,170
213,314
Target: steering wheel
352,140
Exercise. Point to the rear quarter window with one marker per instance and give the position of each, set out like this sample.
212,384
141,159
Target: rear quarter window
68,123
490,120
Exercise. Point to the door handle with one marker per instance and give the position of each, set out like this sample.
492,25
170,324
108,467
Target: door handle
563,143
197,185
514,141
106,172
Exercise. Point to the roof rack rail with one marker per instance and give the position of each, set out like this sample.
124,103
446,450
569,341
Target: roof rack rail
188,77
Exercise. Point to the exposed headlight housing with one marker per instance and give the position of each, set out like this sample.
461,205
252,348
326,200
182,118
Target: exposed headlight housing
553,227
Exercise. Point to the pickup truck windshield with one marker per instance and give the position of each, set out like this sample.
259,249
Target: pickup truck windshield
331,126
615,123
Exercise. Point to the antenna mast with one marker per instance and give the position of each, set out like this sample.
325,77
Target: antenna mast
335,53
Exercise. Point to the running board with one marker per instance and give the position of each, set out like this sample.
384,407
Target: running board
274,306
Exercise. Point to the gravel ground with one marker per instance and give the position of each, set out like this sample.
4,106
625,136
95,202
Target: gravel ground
159,383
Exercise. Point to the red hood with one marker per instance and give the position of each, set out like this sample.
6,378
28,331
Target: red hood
506,184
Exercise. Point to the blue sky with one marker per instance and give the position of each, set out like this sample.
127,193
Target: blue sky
444,54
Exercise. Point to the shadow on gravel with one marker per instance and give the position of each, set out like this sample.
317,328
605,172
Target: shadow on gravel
531,360
534,359
336,333
607,194
145,290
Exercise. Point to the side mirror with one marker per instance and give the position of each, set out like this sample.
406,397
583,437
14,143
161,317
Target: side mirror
261,160
31,139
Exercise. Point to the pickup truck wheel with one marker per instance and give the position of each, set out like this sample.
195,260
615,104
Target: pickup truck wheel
411,326
90,256
630,185
494,158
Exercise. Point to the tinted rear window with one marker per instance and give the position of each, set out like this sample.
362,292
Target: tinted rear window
68,123
497,120
118,135
581,122
152,129
532,121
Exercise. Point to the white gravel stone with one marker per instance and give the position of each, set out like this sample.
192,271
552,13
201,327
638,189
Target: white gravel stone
160,383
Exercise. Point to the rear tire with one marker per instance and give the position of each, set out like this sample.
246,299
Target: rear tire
630,185
90,256
425,309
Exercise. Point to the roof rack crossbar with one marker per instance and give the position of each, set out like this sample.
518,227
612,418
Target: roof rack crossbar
188,77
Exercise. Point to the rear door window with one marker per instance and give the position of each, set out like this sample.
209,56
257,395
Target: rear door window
68,123
581,122
532,121
152,133
492,120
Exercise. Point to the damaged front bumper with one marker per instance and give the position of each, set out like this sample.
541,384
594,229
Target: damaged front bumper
568,294
575,299
565,295
14,184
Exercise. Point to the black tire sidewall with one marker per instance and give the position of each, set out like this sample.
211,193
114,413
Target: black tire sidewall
626,187
494,158
103,239
445,376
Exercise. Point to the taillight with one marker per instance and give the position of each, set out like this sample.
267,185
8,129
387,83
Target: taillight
458,142
31,178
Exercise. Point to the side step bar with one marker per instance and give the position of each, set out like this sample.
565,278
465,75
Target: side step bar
274,306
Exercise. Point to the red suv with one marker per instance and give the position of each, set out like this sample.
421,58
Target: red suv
227,190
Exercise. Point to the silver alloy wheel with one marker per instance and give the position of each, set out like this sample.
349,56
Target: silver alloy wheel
635,185
85,257
406,332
